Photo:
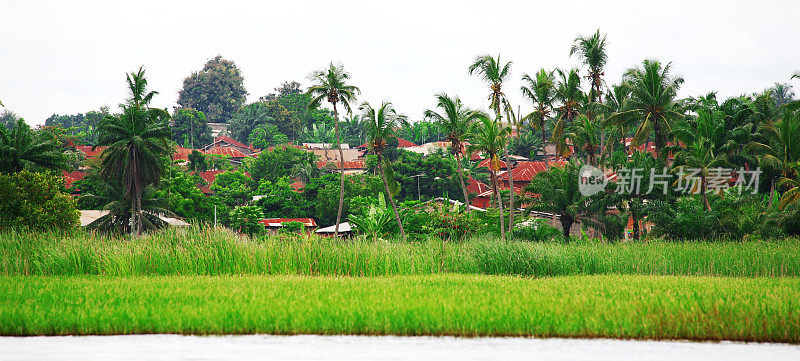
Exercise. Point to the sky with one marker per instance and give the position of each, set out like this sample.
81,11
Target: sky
69,57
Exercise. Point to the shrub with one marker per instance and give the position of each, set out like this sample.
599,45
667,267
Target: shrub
246,219
535,230
36,201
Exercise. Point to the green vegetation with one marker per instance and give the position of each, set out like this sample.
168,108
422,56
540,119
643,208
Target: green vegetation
209,252
697,308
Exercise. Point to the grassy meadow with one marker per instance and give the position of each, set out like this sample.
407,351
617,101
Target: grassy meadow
644,307
209,252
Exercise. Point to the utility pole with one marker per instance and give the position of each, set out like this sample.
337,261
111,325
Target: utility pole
419,198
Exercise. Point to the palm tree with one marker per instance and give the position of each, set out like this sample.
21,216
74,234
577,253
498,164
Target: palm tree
137,140
331,85
569,94
584,134
494,73
541,93
700,155
490,138
653,92
19,149
616,104
779,149
556,192
592,50
380,128
456,121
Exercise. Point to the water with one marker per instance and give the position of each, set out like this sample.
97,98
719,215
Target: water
308,347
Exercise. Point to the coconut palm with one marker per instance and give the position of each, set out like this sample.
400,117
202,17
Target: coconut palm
616,104
331,84
570,96
137,140
779,147
652,100
380,125
592,51
584,135
494,73
490,138
556,192
456,121
19,149
700,156
541,92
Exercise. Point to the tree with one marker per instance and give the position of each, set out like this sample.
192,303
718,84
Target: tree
700,156
246,219
137,140
197,162
380,127
592,51
781,93
541,92
652,99
217,90
584,135
331,85
494,73
8,119
233,188
616,107
555,191
489,138
456,121
35,201
570,96
279,162
181,196
19,149
247,119
265,136
190,129
778,150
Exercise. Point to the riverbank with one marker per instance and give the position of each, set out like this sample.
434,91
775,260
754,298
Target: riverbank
637,307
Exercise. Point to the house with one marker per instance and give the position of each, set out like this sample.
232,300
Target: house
89,216
524,172
326,151
350,167
72,177
274,224
344,229
401,143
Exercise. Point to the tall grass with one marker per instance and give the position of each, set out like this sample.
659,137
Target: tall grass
650,307
218,252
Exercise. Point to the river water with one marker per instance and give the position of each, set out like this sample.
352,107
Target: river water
309,347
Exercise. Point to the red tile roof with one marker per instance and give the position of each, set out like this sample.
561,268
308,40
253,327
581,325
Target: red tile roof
401,143
87,150
473,186
229,140
276,222
525,171
298,186
182,153
485,163
72,177
229,151
350,164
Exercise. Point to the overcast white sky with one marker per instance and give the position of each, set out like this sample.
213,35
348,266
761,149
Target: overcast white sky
68,57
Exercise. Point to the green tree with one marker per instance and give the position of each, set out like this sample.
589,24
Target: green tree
197,162
331,84
592,51
616,109
233,188
9,119
700,156
247,219
137,140
181,196
279,162
493,72
456,120
265,136
248,119
35,201
652,99
556,192
189,128
217,90
570,96
541,92
19,149
381,123
489,138
584,135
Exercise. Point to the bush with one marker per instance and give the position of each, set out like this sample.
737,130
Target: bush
246,219
452,224
535,230
36,201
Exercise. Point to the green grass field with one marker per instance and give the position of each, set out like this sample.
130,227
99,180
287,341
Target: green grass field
645,307
199,252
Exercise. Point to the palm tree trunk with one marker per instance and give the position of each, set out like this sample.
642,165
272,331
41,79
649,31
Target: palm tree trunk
499,200
703,190
391,199
513,193
566,224
635,218
461,181
341,173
